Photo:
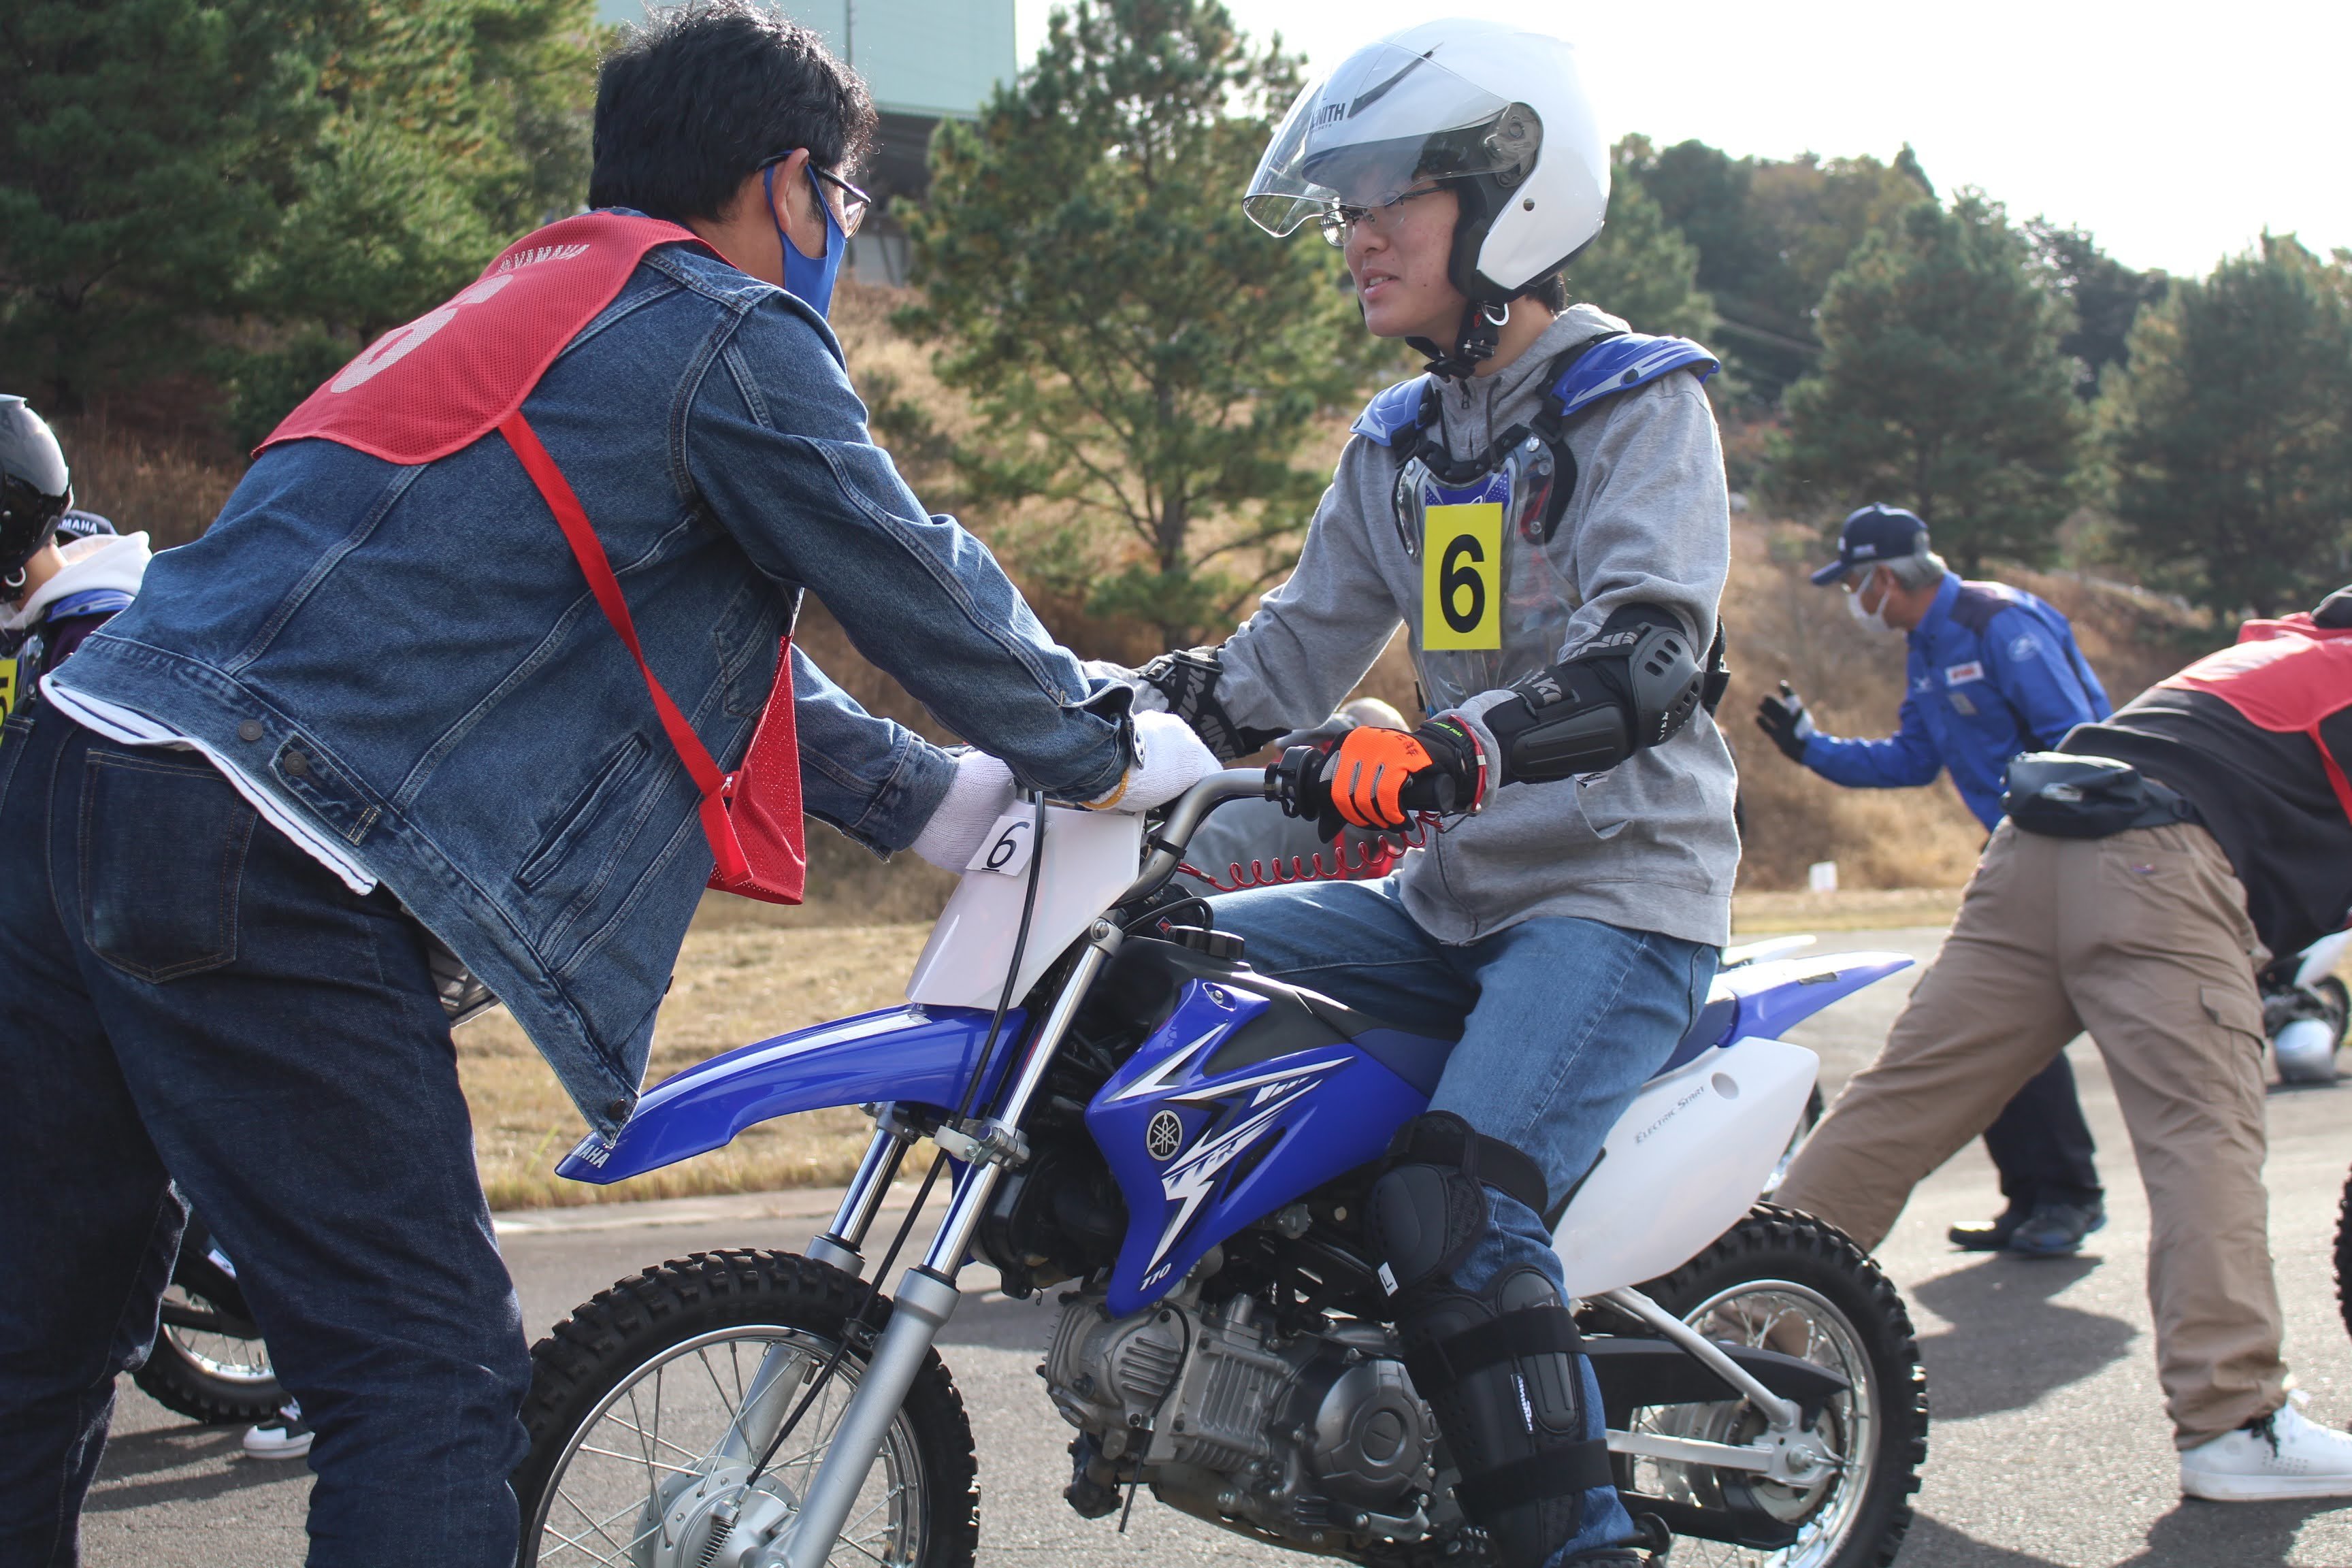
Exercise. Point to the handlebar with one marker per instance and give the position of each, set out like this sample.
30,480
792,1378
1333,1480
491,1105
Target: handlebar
1174,833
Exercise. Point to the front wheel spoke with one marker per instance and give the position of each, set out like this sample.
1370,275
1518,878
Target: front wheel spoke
613,1517
653,1437
581,1544
890,1496
862,1551
638,1459
702,1359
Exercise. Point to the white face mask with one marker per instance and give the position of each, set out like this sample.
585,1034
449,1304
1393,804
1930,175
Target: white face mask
1873,618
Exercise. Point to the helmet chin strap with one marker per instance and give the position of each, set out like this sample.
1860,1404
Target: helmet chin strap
1482,330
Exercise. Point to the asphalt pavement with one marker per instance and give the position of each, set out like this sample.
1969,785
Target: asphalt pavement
2048,1447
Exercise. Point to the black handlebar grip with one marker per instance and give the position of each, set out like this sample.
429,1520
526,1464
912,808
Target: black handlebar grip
1297,781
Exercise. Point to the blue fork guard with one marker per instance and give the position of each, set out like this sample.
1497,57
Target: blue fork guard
922,1056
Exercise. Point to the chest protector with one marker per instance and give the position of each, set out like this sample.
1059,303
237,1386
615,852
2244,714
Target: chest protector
459,372
2285,676
1493,606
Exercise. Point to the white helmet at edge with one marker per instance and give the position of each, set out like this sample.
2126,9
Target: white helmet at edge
1496,110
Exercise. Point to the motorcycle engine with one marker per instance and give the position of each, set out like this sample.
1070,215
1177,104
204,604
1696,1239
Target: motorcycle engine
1316,1440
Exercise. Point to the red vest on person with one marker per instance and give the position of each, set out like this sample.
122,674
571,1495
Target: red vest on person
2284,676
460,371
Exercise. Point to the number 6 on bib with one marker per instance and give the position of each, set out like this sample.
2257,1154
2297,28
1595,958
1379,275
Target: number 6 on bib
1461,574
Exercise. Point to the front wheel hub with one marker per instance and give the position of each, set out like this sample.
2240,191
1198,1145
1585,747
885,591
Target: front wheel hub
714,1520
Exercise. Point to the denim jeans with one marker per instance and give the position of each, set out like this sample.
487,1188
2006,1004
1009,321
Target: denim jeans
186,994
1562,1022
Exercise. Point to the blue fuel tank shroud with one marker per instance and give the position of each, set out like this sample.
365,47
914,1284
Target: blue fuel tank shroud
1201,1151
922,1056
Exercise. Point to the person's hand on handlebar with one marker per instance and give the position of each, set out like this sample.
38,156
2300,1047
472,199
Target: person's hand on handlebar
1372,776
1169,760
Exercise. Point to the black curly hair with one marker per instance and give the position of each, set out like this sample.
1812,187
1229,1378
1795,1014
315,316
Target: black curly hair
693,103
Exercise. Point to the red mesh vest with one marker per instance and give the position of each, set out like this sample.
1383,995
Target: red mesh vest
2284,676
463,370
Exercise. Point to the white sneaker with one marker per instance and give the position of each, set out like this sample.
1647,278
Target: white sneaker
2285,1454
284,1436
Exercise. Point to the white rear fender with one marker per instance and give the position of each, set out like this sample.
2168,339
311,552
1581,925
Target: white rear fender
1685,1162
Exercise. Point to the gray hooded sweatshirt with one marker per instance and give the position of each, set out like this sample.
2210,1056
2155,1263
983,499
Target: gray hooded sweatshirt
1648,845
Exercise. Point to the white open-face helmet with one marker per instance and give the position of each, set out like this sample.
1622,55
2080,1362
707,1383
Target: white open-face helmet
1496,112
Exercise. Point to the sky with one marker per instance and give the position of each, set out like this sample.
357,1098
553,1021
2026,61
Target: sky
2176,134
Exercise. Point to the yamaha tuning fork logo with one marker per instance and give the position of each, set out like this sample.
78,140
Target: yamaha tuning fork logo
1164,1136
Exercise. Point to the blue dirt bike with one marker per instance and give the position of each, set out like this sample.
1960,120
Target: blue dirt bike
1127,1107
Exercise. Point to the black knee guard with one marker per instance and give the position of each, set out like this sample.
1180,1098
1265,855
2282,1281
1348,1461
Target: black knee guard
1502,1369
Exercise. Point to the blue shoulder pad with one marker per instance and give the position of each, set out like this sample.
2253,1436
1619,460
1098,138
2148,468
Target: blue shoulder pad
1391,413
1621,363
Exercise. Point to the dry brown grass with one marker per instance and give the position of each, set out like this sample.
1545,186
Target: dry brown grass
1782,628
1755,914
171,483
737,982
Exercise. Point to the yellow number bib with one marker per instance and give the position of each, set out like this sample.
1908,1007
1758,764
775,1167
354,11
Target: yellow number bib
1461,576
7,686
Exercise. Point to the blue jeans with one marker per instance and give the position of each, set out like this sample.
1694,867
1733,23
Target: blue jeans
1562,1022
186,994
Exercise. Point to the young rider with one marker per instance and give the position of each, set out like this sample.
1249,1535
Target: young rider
1546,513
381,691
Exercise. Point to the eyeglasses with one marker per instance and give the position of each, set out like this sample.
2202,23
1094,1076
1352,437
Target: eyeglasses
849,204
1340,217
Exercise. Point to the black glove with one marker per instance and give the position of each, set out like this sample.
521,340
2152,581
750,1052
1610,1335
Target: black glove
1188,679
1785,719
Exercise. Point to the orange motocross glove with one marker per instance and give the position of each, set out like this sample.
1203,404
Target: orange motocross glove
1377,778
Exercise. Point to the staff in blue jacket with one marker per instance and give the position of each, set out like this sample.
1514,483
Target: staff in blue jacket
1992,671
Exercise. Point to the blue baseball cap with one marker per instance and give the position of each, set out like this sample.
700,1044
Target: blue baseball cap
79,524
1876,533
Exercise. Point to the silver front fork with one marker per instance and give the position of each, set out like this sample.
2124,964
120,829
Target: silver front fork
928,1295
839,1243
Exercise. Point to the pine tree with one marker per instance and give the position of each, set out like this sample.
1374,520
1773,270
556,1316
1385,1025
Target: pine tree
146,153
1942,387
1135,348
2231,432
175,172
1642,267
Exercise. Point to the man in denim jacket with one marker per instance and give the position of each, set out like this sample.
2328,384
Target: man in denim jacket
374,696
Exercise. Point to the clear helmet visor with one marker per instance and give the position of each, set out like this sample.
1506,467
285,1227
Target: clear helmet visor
1384,119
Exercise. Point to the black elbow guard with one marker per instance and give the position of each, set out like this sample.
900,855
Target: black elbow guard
1631,689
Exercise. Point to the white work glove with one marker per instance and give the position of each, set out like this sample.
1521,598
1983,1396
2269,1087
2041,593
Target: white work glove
1170,759
980,793
1149,699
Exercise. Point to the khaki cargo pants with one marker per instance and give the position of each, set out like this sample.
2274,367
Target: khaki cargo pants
2143,940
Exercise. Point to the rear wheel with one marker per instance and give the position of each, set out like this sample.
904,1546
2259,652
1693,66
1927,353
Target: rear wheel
2343,1255
209,1363
637,1410
1788,1282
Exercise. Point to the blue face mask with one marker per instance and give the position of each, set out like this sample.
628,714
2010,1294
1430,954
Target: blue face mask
810,281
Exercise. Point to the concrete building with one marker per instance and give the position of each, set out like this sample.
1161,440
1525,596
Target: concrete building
923,60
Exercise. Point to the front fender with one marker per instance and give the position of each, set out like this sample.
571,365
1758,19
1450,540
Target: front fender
922,1056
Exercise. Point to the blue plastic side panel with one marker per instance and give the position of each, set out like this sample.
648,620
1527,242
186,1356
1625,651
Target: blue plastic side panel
1391,411
921,1055
1198,1157
1621,363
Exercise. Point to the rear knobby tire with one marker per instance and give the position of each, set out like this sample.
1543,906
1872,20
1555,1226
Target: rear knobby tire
208,1362
604,1344
1783,1245
2343,1255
